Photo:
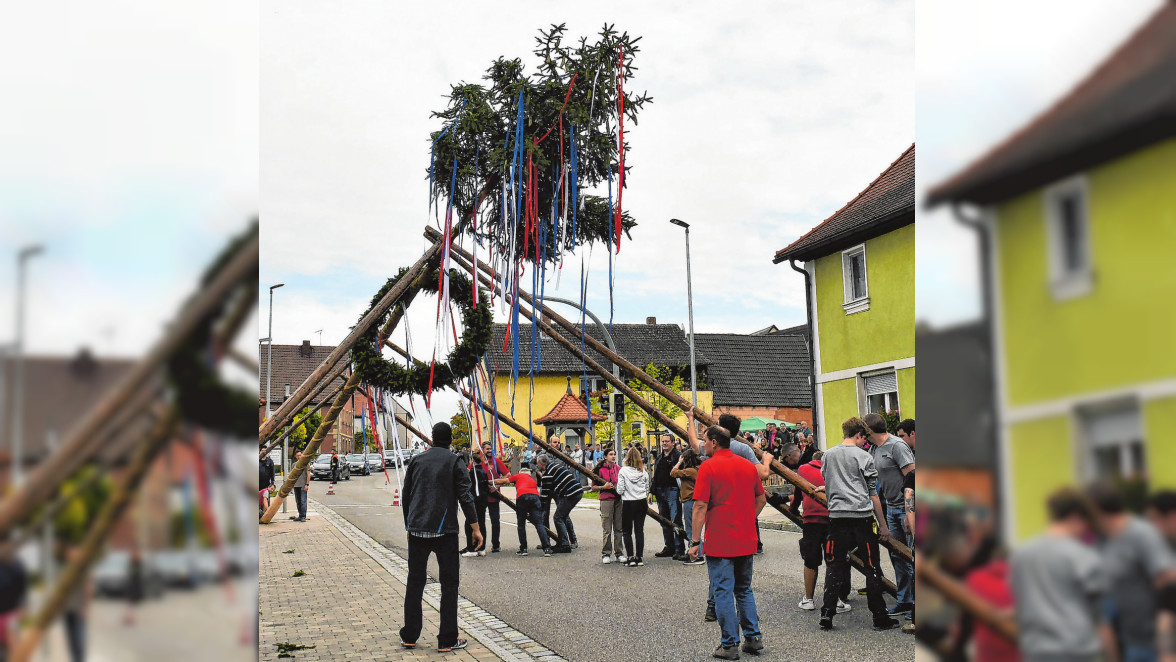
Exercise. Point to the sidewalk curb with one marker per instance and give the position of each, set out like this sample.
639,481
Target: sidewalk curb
503,640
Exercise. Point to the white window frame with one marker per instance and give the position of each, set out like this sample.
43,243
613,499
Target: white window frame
864,399
1080,419
852,305
1064,284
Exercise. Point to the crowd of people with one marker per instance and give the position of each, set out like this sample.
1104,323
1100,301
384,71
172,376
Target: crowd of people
709,490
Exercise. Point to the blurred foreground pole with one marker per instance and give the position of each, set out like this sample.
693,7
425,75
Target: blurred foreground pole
962,596
22,259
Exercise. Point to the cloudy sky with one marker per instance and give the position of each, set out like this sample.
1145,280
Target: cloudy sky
128,148
766,119
984,70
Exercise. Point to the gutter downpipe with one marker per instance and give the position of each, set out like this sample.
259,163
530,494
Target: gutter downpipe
808,312
988,308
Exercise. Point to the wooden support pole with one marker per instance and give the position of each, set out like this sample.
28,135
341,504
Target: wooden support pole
979,608
464,260
78,447
112,510
286,411
501,497
294,426
410,286
308,398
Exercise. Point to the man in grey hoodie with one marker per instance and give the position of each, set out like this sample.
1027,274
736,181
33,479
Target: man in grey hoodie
851,487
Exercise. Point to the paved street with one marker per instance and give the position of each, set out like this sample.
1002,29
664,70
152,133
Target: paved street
583,610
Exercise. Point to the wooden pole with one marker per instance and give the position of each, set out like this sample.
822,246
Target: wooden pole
286,411
979,608
501,497
410,286
463,260
308,397
91,546
78,448
294,426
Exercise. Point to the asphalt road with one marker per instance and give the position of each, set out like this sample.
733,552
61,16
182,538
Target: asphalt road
588,611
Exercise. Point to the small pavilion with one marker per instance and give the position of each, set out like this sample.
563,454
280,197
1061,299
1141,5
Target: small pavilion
570,414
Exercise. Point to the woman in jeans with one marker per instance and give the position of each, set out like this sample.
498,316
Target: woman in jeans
686,470
633,486
610,507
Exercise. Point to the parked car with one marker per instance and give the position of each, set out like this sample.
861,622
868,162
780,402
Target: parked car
406,456
112,575
178,567
320,469
357,464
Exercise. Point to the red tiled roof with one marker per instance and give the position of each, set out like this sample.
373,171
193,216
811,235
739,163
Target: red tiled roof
569,409
1126,103
886,204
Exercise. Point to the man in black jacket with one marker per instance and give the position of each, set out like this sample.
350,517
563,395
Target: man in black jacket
434,485
669,506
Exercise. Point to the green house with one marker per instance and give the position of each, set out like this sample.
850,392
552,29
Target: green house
1077,219
859,272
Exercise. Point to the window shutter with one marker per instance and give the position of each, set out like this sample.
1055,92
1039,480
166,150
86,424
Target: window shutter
1113,427
879,384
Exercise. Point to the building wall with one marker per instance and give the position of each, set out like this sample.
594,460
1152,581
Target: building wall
1119,334
787,414
886,331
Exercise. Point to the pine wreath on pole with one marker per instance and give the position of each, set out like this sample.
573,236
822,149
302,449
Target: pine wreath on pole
377,371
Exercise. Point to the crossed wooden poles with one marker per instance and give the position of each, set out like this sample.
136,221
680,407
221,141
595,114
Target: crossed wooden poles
138,393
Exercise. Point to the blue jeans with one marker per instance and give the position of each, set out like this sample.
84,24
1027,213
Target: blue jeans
688,521
669,507
904,570
527,508
730,580
300,501
563,520
1133,653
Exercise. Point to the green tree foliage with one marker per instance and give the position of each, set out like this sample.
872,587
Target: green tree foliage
461,431
663,375
305,432
84,494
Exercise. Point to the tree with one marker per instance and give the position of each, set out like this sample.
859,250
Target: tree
664,375
461,430
305,432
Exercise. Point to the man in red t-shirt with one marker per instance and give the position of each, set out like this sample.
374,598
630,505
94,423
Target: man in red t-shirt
727,496
528,508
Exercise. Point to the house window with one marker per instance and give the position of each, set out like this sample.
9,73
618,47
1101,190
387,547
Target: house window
881,391
853,270
1068,228
1114,440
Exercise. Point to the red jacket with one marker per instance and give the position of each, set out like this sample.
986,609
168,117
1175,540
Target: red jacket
814,512
494,468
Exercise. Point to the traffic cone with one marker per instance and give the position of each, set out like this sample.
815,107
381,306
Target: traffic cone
396,497
331,488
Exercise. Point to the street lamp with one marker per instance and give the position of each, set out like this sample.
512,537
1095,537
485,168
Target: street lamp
690,309
269,373
22,258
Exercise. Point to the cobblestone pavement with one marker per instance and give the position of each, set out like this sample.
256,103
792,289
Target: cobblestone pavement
349,602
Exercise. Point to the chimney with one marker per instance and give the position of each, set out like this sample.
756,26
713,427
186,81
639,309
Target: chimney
651,320
84,365
305,349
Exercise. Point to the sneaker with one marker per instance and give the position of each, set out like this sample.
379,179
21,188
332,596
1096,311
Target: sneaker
481,552
469,555
910,616
606,559
697,561
575,545
753,645
901,608
457,645
521,552
862,591
759,548
806,604
547,551
886,623
665,552
680,557
826,621
632,563
909,628
406,644
640,561
495,550
843,607
710,616
731,653
562,549
621,558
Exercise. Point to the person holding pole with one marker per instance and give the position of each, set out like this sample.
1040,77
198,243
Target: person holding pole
436,483
527,508
495,469
610,507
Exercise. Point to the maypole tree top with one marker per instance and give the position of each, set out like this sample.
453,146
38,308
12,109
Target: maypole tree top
515,152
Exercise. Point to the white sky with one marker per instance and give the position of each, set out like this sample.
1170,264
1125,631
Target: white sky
767,117
984,70
128,147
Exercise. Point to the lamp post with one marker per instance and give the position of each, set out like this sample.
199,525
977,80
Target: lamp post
22,258
269,373
690,309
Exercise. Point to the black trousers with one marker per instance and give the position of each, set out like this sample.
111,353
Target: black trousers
845,535
495,525
528,508
419,549
480,509
633,515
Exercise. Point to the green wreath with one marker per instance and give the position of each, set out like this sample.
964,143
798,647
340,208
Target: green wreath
374,369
